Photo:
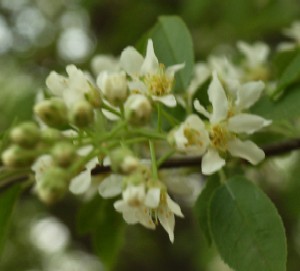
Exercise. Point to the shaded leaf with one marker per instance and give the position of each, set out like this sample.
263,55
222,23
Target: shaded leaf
246,228
203,203
8,199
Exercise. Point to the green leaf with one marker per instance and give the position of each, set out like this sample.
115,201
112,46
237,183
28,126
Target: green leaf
173,45
203,203
290,75
106,226
8,199
246,228
285,108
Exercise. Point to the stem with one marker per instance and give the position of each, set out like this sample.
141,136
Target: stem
153,160
173,121
159,119
110,109
165,157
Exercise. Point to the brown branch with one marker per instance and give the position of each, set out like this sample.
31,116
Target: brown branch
270,150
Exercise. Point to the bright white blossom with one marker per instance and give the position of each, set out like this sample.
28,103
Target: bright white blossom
102,63
71,89
148,75
191,137
226,121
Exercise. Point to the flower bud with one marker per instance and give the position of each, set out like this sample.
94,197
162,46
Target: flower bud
52,185
82,114
123,161
26,134
53,112
50,135
16,156
113,85
63,153
137,109
93,96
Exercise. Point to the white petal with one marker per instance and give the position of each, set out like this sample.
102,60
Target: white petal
174,207
247,123
128,212
170,71
137,86
81,182
144,217
246,150
131,61
167,220
150,64
56,83
111,186
109,115
211,162
152,198
248,94
168,100
199,108
218,99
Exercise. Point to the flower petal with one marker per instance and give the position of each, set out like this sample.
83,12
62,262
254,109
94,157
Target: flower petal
152,198
167,220
211,162
248,94
81,182
168,100
131,61
128,212
200,109
111,186
246,150
170,71
174,207
247,123
218,99
150,64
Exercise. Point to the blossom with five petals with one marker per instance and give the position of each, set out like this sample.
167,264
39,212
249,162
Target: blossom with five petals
148,75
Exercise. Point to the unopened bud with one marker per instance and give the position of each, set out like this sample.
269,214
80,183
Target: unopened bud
53,112
123,161
52,185
50,135
113,85
26,134
16,156
63,153
93,96
82,114
137,109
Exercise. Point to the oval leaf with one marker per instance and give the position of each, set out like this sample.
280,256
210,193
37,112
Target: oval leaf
246,228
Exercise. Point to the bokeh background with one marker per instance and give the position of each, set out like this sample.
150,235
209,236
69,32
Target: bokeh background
37,36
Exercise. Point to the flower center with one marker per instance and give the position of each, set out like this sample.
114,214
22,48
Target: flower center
219,137
159,84
193,137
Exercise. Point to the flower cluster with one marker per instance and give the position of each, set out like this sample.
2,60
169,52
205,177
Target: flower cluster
110,121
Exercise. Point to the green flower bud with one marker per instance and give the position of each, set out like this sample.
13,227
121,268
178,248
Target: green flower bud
16,156
82,114
26,134
50,135
122,160
93,96
53,185
137,109
63,153
53,112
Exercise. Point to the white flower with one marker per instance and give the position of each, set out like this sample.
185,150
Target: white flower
256,54
293,33
71,89
227,120
148,75
137,109
164,208
191,137
113,85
